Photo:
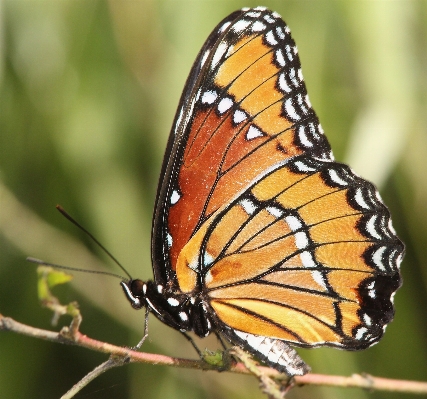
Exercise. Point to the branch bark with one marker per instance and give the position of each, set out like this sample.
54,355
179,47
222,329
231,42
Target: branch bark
122,355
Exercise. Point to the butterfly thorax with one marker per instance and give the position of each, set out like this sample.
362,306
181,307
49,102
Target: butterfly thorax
183,312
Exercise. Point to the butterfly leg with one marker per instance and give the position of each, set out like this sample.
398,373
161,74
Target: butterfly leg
221,341
139,344
189,339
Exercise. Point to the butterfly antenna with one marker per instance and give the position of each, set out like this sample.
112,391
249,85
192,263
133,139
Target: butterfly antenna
70,218
74,269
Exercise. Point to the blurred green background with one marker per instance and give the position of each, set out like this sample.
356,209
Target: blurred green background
88,95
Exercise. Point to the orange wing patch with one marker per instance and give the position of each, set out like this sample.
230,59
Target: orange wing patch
246,67
288,297
248,265
344,255
273,320
303,279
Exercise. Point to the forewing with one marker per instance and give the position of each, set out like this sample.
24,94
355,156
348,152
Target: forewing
243,111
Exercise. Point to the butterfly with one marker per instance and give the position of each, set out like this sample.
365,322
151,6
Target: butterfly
258,235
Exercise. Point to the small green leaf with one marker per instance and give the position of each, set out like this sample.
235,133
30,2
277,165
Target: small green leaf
48,278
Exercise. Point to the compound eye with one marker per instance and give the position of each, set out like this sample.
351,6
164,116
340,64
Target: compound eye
136,287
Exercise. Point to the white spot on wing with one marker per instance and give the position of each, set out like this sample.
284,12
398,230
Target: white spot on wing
290,110
220,51
301,240
225,26
360,333
253,14
209,97
279,57
303,137
269,36
173,302
293,222
207,259
258,26
225,104
241,25
318,278
239,116
280,32
175,197
370,227
169,240
360,200
335,178
253,133
283,84
274,355
276,212
269,19
252,340
289,52
248,206
265,346
377,258
303,167
293,78
183,316
307,259
367,320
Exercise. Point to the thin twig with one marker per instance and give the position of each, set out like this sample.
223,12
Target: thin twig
364,381
356,380
102,368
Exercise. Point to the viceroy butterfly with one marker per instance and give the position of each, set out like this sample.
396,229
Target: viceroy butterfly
258,234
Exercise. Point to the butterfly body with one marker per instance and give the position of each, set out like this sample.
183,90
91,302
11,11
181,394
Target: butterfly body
181,311
258,234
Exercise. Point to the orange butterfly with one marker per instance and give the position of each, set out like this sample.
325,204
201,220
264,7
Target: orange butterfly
258,234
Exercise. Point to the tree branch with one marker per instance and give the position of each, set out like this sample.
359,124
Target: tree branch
121,355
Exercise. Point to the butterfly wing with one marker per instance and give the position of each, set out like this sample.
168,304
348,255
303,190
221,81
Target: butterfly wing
312,260
243,110
286,244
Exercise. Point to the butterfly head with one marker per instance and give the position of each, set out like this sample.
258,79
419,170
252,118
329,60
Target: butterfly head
135,291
